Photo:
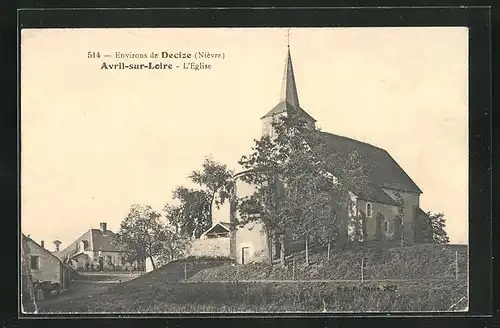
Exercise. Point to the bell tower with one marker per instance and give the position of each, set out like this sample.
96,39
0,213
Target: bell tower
289,100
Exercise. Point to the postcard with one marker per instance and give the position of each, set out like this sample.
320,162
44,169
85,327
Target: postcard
244,170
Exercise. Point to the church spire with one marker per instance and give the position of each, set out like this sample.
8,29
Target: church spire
289,92
289,101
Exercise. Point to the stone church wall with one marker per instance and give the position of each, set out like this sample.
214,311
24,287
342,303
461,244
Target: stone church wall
411,202
388,211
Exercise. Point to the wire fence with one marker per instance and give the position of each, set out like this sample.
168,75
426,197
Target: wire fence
366,268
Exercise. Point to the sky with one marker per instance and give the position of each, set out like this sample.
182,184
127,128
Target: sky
95,141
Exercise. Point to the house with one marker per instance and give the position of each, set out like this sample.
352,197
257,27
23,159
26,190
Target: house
97,247
45,266
389,194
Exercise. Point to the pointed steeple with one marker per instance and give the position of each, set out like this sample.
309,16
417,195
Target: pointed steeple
289,100
289,92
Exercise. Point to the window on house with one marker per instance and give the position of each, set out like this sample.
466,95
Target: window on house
368,210
35,264
386,226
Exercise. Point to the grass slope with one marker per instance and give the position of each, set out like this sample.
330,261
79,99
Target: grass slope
412,262
162,290
126,296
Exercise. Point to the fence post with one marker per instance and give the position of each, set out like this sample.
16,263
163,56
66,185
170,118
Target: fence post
362,265
185,271
293,269
456,265
403,267
328,253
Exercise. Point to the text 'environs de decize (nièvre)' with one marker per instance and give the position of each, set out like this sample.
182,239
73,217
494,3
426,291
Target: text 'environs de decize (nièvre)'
171,55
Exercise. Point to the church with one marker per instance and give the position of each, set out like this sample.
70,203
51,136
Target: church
389,204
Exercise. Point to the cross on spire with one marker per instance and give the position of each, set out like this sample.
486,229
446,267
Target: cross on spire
289,92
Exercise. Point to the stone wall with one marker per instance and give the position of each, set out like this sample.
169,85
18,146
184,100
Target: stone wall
210,247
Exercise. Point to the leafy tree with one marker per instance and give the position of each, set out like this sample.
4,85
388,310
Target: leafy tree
174,246
432,228
192,216
265,165
215,179
309,210
316,181
142,234
174,216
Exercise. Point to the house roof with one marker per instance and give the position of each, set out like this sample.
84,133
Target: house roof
96,240
380,169
104,241
221,226
26,238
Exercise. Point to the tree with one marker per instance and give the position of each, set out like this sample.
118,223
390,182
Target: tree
174,245
316,179
432,228
215,179
264,165
192,216
142,234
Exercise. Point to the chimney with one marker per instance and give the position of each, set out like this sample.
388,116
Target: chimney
103,226
42,243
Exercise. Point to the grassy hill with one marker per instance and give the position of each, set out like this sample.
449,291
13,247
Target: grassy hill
137,295
165,290
389,262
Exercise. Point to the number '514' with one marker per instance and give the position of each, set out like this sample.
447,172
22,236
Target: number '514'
93,54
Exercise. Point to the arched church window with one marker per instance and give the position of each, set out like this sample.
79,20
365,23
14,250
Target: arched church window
368,210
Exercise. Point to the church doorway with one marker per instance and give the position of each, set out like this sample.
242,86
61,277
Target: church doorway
245,254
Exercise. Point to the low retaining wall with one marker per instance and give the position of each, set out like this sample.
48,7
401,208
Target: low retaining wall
210,247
